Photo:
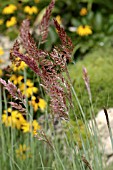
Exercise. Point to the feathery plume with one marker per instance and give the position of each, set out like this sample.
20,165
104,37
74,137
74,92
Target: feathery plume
12,89
27,40
44,24
30,61
86,80
67,45
16,94
48,65
18,106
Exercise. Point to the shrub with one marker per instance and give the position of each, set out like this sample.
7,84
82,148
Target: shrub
98,63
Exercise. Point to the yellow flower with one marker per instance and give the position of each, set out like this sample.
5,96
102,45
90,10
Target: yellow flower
8,110
84,30
22,66
34,103
42,104
22,151
34,9
31,10
30,126
10,9
16,79
28,89
26,127
38,103
58,18
27,9
1,51
1,73
5,119
83,11
11,22
36,1
35,125
9,118
29,83
1,21
35,133
20,121
13,119
1,61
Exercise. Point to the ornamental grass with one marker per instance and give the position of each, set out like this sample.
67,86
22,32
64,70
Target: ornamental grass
37,129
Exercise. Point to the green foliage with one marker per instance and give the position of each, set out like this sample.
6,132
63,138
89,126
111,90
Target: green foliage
74,130
110,167
99,16
99,65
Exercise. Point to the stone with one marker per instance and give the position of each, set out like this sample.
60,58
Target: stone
104,136
6,44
